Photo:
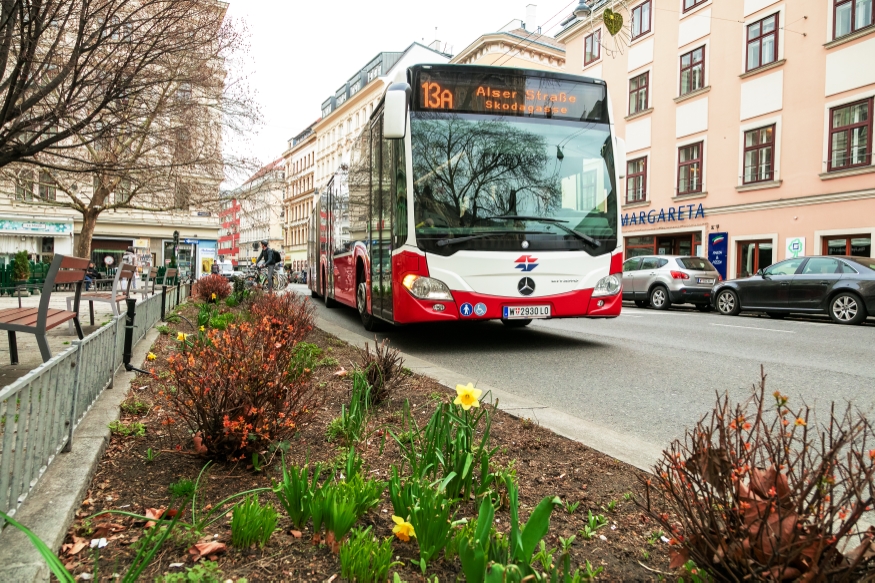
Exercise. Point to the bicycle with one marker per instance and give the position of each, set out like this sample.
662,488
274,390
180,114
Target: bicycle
256,277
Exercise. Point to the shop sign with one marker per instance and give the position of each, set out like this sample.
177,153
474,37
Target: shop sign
795,247
36,227
664,215
718,245
141,243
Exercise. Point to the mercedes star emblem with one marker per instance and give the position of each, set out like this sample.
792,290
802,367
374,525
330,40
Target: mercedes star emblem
526,286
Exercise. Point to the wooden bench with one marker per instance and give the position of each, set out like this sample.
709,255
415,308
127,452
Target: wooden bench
37,321
169,277
124,276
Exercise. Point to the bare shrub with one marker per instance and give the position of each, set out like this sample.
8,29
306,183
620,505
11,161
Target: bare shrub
382,368
211,288
235,390
763,492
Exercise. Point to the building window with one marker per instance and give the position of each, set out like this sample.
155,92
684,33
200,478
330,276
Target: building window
850,16
638,93
759,155
762,42
592,47
636,180
693,71
47,188
855,246
24,186
850,136
641,19
753,256
690,169
690,4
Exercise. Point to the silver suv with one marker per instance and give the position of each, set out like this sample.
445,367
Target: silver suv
663,280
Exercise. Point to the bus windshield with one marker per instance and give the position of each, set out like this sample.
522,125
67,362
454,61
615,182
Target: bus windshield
486,182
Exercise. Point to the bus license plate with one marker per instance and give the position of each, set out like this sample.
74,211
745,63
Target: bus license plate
706,280
526,312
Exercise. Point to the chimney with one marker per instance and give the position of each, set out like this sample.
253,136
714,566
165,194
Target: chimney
531,17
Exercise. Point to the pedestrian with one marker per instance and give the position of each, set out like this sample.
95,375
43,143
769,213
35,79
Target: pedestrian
91,276
268,258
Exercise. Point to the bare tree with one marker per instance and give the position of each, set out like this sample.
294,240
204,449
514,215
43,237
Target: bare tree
158,145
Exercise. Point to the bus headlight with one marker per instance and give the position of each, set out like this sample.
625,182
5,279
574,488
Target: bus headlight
607,286
426,288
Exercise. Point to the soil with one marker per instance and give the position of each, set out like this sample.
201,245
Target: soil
630,548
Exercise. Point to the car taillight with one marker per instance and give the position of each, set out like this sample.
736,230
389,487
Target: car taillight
679,275
719,277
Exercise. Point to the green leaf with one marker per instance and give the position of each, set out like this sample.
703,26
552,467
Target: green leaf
495,574
52,560
536,528
613,21
484,521
473,558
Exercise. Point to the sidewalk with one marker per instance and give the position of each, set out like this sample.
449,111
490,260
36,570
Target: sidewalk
59,338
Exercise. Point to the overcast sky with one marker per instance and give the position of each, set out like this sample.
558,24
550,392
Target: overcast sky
303,50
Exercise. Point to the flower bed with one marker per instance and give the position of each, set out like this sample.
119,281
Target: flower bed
526,468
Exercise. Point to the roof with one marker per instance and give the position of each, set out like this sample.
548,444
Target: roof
306,132
273,166
530,37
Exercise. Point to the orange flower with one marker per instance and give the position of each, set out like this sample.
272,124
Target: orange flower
801,421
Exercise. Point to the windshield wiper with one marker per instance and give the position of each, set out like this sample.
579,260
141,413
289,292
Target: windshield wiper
558,222
454,240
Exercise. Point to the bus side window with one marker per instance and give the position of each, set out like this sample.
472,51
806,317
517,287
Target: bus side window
400,189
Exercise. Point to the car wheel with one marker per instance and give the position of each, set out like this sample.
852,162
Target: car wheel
703,307
516,323
370,323
641,303
659,298
777,315
847,308
727,303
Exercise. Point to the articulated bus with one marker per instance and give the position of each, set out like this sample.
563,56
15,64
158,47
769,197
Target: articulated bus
475,193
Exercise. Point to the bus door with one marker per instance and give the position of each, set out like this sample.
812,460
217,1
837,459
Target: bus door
383,161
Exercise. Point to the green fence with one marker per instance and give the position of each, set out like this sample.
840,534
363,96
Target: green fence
37,276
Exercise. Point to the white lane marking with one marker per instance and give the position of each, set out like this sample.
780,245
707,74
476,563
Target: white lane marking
752,328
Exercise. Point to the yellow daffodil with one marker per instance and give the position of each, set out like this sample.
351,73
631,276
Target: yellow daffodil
214,296
467,396
182,337
151,356
202,328
402,529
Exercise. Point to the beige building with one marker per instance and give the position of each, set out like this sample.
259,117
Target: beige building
518,45
346,112
261,210
300,160
748,125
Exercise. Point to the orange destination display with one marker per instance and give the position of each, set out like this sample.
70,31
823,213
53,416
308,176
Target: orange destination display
475,90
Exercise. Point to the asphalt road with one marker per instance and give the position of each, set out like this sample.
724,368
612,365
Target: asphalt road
649,374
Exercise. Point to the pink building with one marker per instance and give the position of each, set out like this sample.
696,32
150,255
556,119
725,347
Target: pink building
748,124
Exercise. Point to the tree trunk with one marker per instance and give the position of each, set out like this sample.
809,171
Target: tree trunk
89,222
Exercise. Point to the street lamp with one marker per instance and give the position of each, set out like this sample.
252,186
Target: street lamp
582,10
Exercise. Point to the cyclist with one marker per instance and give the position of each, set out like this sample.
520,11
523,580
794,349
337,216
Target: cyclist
268,258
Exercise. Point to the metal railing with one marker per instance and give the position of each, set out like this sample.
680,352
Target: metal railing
40,411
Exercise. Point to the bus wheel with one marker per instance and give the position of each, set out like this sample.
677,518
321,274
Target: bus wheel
516,323
313,293
370,323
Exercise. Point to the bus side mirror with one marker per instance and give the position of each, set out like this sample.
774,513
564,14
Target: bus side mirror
620,157
395,111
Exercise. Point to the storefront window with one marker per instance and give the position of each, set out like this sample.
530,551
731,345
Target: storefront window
753,256
853,246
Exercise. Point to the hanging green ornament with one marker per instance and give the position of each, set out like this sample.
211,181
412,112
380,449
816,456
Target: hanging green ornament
613,21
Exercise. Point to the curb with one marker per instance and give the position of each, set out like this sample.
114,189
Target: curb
51,506
633,451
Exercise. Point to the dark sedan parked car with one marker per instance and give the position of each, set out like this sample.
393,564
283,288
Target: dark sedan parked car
843,287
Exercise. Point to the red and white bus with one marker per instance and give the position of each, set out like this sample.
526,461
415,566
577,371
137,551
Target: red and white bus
476,193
